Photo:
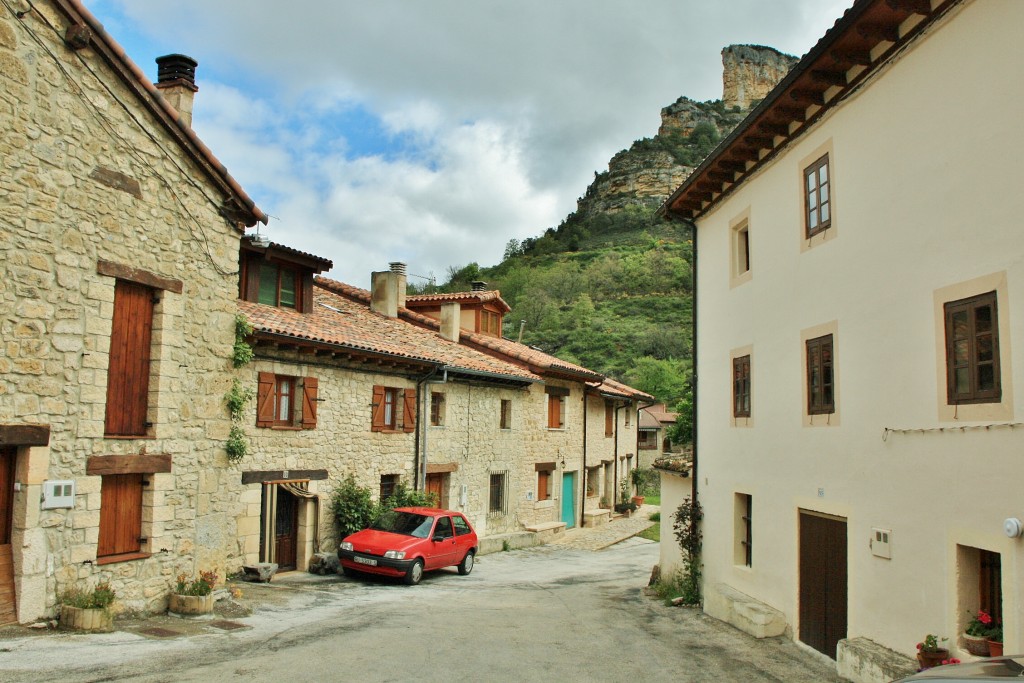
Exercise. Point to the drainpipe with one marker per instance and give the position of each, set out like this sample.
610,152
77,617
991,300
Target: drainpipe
420,455
693,336
583,497
616,451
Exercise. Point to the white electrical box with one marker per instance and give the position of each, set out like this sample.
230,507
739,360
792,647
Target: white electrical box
529,495
463,494
58,493
881,543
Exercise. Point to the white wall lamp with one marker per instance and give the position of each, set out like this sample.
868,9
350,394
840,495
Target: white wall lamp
1012,527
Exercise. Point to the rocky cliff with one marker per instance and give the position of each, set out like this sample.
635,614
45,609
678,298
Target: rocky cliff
652,168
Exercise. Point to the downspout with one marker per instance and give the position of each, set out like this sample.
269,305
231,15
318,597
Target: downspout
420,455
615,451
693,336
583,497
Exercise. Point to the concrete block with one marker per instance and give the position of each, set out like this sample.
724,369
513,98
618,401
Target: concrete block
864,661
744,612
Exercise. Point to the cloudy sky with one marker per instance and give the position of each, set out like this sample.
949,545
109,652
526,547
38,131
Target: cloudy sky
433,131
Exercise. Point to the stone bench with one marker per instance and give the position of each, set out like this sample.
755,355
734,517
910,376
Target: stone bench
744,612
593,518
545,531
865,661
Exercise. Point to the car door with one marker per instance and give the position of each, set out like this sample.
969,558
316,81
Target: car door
442,544
465,539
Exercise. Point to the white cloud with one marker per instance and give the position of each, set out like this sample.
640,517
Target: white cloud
432,132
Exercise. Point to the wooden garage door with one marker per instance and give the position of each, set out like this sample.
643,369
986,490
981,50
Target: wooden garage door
822,581
8,611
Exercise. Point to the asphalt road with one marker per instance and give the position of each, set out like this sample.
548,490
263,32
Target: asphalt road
545,614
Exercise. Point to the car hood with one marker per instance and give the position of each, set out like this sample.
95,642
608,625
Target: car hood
378,542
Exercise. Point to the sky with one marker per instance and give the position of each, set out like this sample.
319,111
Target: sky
434,131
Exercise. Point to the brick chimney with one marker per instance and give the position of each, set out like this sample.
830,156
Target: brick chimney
451,314
387,290
176,78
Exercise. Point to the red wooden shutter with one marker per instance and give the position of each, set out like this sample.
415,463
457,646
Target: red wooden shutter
409,411
128,373
266,399
309,392
377,414
120,514
609,420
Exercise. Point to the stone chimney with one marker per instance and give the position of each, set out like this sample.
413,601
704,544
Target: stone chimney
387,290
176,78
451,314
479,286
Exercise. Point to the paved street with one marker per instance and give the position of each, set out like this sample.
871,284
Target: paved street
553,613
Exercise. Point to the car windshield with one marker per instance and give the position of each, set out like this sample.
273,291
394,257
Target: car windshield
405,523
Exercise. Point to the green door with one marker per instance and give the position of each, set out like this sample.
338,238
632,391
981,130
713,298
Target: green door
569,499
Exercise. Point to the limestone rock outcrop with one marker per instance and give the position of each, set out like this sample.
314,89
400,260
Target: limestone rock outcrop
750,71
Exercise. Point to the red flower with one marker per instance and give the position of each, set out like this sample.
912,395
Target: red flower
920,645
984,617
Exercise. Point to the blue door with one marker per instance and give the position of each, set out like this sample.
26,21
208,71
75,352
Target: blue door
569,499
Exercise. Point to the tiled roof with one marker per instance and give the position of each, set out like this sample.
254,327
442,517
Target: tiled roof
345,324
678,463
648,421
482,296
661,413
322,263
151,98
611,386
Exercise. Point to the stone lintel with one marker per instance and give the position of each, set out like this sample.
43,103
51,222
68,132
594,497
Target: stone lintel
139,276
263,476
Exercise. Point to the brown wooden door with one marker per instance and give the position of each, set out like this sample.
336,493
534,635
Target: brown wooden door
437,485
822,582
128,373
8,606
286,528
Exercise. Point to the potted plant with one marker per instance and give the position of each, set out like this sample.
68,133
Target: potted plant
929,653
995,642
978,630
637,476
88,610
193,595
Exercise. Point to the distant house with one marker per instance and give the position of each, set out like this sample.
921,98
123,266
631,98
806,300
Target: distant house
859,344
355,382
118,256
653,440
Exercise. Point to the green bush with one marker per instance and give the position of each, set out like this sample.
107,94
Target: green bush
352,507
201,585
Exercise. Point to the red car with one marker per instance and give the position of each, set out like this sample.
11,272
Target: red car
405,542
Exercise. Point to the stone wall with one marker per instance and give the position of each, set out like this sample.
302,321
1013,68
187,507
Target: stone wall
84,180
750,71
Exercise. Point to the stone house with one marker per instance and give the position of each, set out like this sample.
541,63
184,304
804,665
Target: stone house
860,254
653,439
361,383
118,260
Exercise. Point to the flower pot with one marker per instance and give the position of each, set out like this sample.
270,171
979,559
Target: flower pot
638,500
934,658
995,648
976,645
190,605
86,618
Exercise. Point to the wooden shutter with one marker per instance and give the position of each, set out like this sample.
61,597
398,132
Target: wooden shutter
128,373
609,419
120,514
306,298
409,410
266,399
377,415
309,394
252,279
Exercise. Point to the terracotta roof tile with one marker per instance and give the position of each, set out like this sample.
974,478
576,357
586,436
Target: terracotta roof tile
459,297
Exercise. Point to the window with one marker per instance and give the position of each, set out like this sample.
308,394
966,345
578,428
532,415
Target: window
820,398
556,412
444,529
286,402
544,470
461,525
129,364
972,350
436,409
648,440
609,419
744,554
490,323
741,247
393,409
593,481
817,201
506,413
741,386
120,536
388,482
496,499
629,411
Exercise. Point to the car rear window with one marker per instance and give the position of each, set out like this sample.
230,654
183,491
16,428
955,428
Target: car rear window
461,526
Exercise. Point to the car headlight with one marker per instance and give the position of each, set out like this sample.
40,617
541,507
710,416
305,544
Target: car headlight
345,545
395,554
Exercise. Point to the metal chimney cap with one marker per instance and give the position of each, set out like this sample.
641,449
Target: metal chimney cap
176,67
479,286
397,267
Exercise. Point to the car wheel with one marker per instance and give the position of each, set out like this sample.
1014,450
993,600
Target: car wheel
415,573
466,566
